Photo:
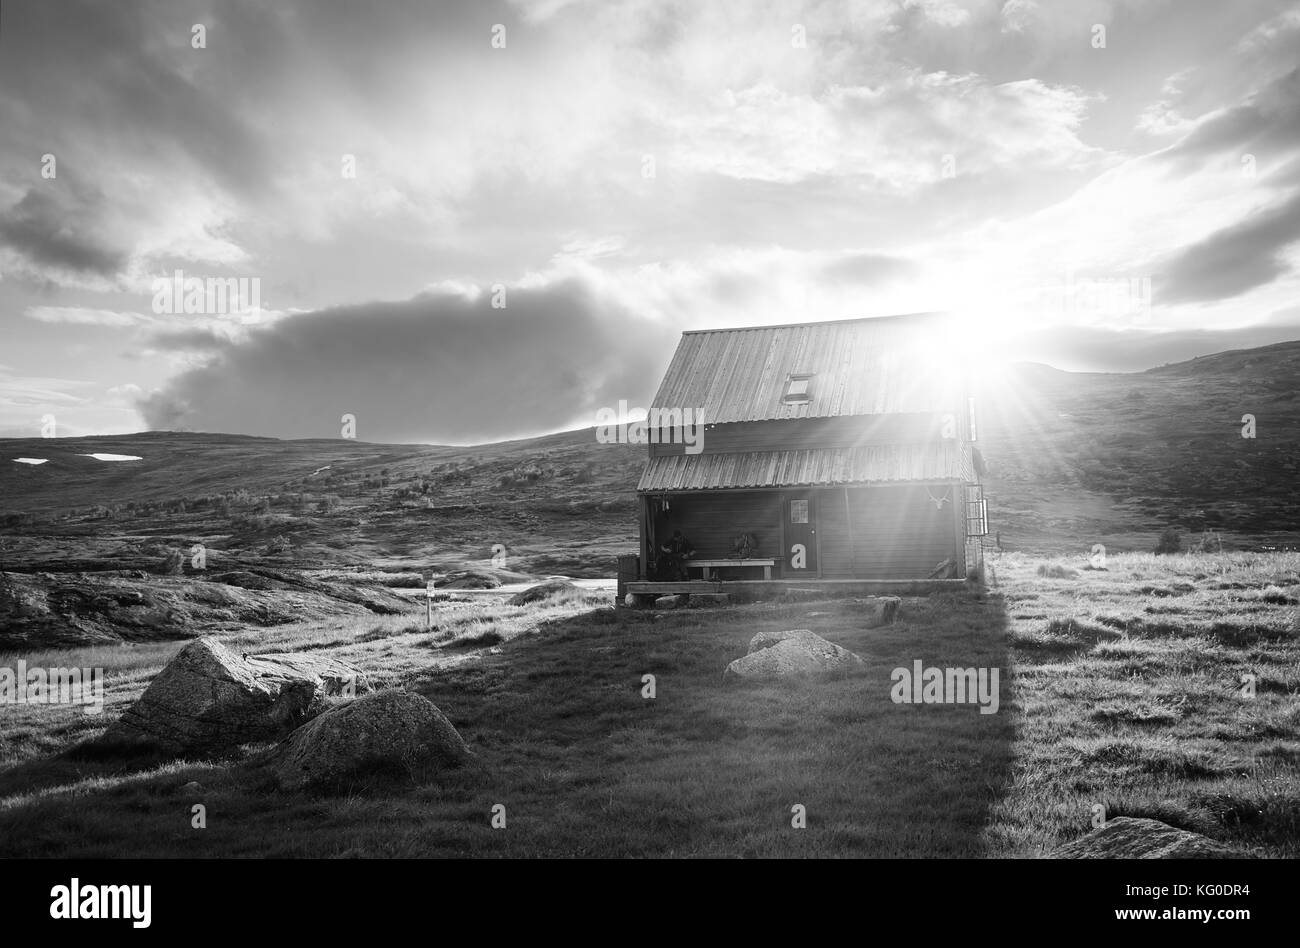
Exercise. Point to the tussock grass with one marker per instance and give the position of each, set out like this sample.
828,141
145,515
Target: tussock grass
1113,695
1152,720
588,766
1056,571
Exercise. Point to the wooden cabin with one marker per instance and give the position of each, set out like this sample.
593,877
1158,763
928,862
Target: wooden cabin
830,451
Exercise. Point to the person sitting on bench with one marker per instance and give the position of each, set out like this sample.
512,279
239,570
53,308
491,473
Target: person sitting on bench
678,550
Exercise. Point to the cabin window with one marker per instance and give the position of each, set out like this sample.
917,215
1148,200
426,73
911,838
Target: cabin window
797,388
798,511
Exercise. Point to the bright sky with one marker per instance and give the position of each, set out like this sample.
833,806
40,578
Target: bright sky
1095,184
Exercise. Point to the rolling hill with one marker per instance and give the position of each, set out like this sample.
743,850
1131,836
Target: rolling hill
1078,458
1073,459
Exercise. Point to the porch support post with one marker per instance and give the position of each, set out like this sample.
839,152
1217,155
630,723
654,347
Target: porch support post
643,568
959,527
853,546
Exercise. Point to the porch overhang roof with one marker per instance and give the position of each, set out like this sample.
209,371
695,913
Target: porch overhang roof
810,467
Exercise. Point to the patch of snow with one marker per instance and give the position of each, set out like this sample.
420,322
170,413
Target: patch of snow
114,457
31,460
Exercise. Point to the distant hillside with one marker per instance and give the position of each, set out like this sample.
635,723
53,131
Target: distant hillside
186,465
1073,459
1085,456
95,550
559,504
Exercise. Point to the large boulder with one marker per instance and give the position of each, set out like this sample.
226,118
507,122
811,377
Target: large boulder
393,732
877,610
792,653
209,699
1127,837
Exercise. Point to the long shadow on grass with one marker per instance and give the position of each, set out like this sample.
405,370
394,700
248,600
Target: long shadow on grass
615,734
587,762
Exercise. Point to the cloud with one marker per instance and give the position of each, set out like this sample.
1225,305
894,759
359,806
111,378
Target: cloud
793,182
152,92
1235,259
29,392
26,399
1268,121
1055,26
868,269
1276,34
126,394
59,224
193,333
1018,15
438,367
942,12
894,133
81,316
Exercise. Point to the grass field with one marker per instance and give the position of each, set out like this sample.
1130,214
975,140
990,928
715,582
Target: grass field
1120,688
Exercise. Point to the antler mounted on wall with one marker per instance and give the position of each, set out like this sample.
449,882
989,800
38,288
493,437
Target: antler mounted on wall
939,501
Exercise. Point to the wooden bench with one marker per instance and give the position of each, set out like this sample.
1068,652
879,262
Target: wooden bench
708,564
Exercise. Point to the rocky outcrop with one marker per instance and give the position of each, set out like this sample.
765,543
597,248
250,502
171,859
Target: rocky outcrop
387,732
210,700
797,652
541,591
45,610
469,579
1127,837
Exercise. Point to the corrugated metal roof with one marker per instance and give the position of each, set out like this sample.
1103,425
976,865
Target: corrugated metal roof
858,367
813,467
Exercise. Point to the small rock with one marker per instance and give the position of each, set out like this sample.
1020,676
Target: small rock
395,731
192,787
877,610
1127,837
671,602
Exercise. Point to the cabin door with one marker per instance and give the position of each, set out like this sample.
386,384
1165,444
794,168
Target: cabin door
800,535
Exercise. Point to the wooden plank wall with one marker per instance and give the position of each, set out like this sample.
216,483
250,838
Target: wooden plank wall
711,521
898,533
